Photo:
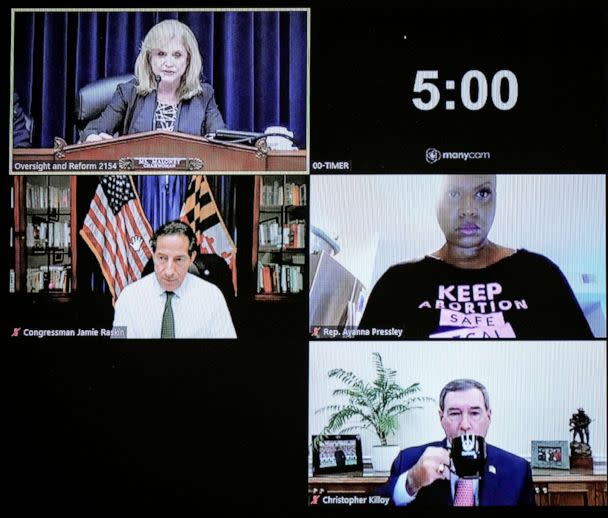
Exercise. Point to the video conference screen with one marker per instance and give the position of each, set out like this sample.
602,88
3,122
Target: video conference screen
306,256
364,276
226,89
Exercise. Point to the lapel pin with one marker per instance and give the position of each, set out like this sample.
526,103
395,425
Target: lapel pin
492,469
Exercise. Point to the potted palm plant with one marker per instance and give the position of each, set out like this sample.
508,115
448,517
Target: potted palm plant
376,406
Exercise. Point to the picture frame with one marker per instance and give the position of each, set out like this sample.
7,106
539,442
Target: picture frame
550,454
337,454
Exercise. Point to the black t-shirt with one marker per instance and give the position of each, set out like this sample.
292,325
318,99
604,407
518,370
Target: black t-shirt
523,296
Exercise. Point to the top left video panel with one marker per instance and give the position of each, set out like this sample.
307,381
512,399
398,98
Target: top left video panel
158,91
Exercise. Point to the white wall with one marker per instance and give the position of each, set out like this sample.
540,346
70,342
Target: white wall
356,258
560,216
534,387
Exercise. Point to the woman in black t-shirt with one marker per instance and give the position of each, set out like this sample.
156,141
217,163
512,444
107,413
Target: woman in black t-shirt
472,287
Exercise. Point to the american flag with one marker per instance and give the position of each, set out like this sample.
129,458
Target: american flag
201,213
118,232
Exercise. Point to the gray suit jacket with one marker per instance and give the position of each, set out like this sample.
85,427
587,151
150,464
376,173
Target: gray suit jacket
130,113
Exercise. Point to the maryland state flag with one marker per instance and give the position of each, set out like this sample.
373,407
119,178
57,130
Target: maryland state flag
202,214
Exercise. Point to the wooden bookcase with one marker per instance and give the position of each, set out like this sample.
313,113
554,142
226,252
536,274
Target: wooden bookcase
43,235
280,235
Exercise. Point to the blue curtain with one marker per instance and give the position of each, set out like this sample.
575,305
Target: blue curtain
162,198
256,61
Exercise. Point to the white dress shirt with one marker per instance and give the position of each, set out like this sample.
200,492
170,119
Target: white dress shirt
199,309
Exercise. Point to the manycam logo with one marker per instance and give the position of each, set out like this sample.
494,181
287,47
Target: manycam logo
433,155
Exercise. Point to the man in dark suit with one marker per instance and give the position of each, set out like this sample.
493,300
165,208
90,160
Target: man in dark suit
22,132
421,475
340,457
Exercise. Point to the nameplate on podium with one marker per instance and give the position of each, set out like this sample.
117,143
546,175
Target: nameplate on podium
156,152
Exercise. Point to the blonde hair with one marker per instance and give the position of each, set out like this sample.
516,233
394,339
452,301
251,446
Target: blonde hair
157,36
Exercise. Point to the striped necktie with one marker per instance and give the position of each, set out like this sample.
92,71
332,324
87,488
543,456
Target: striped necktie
167,329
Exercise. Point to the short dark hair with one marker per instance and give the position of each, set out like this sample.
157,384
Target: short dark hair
461,385
175,228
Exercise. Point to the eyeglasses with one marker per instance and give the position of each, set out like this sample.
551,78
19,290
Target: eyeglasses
455,416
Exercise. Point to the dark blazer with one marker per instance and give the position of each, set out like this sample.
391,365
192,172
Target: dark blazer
21,132
507,479
130,113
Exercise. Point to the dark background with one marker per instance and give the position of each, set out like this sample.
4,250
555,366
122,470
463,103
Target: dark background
124,426
364,71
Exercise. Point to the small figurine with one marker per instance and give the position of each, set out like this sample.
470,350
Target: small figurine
579,426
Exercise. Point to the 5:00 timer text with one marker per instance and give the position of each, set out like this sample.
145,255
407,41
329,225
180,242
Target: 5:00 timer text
504,90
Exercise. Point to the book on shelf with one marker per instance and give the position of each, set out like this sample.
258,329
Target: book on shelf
291,236
271,194
276,194
295,194
47,197
279,278
58,278
50,234
270,234
294,234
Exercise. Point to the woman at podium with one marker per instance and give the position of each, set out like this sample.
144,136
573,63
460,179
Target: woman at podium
166,93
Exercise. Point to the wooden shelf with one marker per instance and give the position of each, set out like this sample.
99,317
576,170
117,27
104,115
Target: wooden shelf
269,250
281,258
43,297
551,488
364,484
46,212
274,297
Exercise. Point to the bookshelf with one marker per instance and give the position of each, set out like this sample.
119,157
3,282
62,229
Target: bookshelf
280,236
42,235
